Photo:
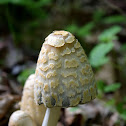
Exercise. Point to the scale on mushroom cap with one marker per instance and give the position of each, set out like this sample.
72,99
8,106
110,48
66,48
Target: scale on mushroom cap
64,77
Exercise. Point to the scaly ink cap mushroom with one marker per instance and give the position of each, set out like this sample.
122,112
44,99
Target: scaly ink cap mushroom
64,77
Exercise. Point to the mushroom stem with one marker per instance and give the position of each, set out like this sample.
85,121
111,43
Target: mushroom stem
51,117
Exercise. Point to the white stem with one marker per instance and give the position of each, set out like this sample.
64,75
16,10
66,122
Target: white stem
51,117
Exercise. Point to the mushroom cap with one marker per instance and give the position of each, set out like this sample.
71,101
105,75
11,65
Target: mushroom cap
64,77
28,104
20,118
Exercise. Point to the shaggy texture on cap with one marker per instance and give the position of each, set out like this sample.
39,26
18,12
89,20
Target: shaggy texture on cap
64,77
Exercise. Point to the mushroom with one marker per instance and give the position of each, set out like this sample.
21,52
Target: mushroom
27,103
33,112
63,76
21,118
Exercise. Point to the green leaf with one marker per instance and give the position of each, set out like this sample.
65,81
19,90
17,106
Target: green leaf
123,115
80,31
112,88
38,4
100,85
73,109
120,107
24,75
85,30
4,1
123,47
14,1
72,28
98,14
111,102
114,19
109,35
28,3
98,56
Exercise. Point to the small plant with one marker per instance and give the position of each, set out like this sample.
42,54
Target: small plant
98,54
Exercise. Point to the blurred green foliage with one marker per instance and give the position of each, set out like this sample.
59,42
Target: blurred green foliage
74,109
98,54
23,18
109,34
103,88
123,47
112,88
81,31
28,3
85,30
25,74
114,19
